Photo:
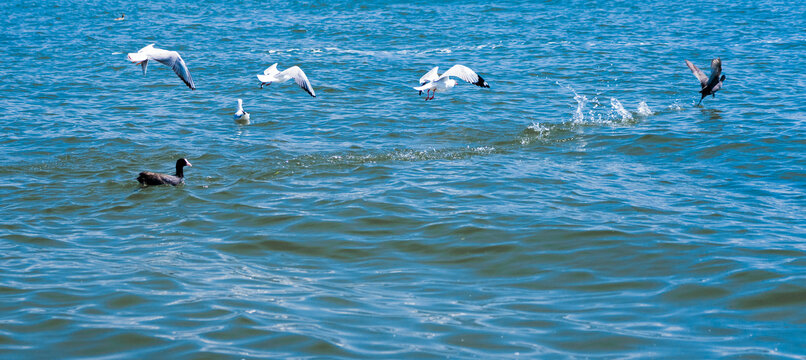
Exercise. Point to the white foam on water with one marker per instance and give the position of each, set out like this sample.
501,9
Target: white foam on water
393,53
644,110
540,130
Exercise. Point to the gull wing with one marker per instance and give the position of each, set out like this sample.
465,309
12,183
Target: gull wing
299,77
466,74
174,60
698,73
431,75
146,48
271,70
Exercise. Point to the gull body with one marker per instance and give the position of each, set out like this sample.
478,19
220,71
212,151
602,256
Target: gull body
272,75
241,116
710,84
167,57
432,81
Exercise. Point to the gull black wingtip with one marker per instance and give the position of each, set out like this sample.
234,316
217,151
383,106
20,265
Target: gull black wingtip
482,83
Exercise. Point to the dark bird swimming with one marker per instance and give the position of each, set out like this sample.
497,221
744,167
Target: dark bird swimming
710,85
151,178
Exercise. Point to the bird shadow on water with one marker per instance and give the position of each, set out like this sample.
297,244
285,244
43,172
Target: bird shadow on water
713,114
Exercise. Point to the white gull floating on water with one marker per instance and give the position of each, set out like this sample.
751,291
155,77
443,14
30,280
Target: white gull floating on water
167,57
432,81
271,74
241,116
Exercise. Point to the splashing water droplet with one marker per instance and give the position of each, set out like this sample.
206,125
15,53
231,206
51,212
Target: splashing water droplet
625,115
643,109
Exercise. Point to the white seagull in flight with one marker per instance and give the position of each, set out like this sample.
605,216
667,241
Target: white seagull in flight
170,58
271,74
432,81
241,116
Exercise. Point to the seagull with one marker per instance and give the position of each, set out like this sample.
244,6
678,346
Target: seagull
271,74
710,85
121,18
240,115
170,58
432,81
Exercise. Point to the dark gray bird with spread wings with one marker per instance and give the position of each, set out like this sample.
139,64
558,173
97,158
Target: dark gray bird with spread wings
710,85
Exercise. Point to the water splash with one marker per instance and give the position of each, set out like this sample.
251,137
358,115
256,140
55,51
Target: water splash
590,110
539,129
644,110
620,110
579,113
533,132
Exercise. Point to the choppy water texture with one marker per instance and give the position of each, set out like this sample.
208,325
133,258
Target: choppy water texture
580,207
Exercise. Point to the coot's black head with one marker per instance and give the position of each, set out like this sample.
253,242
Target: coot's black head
722,78
180,164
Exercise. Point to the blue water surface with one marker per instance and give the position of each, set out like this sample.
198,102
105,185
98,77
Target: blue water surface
581,207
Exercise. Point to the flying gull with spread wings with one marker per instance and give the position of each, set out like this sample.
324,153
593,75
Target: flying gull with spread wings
433,82
167,57
272,75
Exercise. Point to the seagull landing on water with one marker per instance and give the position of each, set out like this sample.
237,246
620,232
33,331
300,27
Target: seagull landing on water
432,81
170,58
271,74
710,85
240,115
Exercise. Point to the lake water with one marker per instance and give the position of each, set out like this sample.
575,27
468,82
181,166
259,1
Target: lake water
582,206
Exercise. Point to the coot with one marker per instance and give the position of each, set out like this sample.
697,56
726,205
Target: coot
710,84
150,178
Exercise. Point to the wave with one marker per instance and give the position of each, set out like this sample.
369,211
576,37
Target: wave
392,53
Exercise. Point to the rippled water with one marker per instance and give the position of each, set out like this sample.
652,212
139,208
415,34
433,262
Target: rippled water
580,207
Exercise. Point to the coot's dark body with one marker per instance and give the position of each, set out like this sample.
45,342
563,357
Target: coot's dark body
710,84
151,178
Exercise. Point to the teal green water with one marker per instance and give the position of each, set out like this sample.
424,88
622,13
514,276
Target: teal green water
581,207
